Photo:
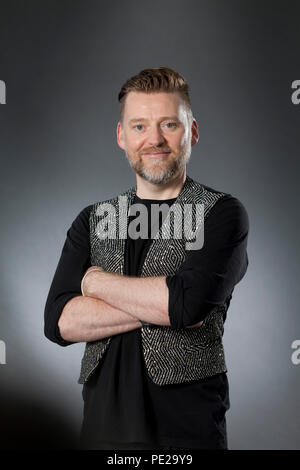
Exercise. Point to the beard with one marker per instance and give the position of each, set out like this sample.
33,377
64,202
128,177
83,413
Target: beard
162,169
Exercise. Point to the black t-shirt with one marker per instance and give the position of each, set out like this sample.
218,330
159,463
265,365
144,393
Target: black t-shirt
123,407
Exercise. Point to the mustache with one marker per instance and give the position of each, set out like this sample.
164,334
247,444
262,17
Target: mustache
155,150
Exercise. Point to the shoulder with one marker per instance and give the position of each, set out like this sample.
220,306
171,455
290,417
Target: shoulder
114,200
78,233
229,216
82,219
228,211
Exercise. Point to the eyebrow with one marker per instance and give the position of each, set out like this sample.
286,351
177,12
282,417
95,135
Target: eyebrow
164,118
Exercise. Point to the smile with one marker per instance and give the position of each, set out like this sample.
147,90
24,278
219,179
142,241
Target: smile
156,154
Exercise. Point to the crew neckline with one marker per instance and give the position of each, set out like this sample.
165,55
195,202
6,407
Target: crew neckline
155,200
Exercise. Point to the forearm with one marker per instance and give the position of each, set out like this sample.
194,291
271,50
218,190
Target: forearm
145,298
90,319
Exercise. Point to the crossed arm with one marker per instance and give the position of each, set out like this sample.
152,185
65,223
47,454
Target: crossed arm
114,304
144,298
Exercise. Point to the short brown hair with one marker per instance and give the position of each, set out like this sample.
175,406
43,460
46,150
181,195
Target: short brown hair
159,79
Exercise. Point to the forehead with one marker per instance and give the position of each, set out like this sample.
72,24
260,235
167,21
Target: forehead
153,105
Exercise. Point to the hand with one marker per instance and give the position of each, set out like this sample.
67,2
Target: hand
196,325
92,268
84,279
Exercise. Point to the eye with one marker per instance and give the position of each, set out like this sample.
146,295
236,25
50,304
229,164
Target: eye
171,125
138,127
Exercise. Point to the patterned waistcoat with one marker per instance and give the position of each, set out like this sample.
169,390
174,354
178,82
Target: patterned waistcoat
171,356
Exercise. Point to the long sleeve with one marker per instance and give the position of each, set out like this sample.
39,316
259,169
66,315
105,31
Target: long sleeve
66,283
207,276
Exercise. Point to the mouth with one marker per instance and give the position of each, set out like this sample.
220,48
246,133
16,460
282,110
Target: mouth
156,155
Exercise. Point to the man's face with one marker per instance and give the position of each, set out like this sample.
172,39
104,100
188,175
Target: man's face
156,135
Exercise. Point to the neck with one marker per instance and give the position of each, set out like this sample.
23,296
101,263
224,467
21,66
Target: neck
169,190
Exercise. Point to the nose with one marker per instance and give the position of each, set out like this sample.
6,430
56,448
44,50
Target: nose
155,136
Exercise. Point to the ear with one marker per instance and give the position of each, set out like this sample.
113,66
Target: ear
195,133
120,138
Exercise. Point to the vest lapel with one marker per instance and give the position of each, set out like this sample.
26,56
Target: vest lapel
164,255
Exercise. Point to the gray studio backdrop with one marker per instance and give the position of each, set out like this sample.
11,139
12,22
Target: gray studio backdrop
62,64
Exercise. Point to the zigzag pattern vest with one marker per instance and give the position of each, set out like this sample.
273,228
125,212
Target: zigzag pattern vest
171,356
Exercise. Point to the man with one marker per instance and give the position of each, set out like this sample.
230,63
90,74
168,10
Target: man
151,309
